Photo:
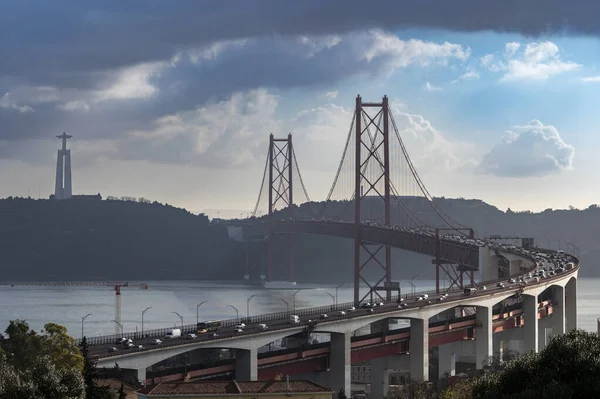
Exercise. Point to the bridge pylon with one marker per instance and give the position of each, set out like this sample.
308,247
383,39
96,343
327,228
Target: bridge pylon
372,179
281,167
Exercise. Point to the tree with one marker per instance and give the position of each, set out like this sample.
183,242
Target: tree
567,368
121,392
40,366
92,390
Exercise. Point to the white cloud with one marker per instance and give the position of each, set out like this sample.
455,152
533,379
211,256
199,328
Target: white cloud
132,83
429,87
75,105
427,147
331,95
223,134
470,74
6,102
591,79
512,47
529,150
402,53
537,61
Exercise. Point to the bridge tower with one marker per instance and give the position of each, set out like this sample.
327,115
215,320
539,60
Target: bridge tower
280,188
371,171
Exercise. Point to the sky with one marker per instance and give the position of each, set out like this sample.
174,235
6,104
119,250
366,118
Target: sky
175,102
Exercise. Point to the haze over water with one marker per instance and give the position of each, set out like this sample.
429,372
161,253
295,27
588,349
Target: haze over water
67,305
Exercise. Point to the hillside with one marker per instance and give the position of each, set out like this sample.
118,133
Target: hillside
132,240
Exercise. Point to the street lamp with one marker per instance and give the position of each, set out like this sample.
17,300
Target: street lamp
286,304
144,311
248,305
413,287
332,298
413,279
198,307
82,320
180,318
295,293
336,292
120,326
237,313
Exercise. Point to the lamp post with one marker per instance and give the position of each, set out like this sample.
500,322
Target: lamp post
295,293
82,320
120,326
143,312
198,307
413,287
413,279
180,318
336,292
286,304
248,305
332,298
237,313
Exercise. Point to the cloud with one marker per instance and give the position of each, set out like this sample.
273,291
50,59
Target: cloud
537,61
427,147
7,102
529,150
331,95
129,98
429,87
223,134
591,79
114,35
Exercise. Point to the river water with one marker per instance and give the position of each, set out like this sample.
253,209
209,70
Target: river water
67,305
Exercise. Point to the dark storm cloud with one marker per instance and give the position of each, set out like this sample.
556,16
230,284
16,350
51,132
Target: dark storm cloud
61,42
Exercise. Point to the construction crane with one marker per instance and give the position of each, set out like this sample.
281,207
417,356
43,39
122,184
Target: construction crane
116,286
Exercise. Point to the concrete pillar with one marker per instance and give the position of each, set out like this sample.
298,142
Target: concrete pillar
341,362
483,336
58,187
381,368
488,262
419,350
531,333
246,365
558,310
571,304
141,375
514,266
446,359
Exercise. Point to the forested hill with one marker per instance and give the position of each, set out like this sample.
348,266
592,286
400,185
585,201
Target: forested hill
88,239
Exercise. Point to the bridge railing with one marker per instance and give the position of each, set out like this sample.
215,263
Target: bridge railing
266,318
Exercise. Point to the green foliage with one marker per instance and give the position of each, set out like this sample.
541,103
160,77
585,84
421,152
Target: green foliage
121,392
567,368
92,390
40,366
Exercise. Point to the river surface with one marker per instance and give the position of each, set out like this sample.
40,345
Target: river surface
67,305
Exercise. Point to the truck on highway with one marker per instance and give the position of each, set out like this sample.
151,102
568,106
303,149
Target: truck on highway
174,333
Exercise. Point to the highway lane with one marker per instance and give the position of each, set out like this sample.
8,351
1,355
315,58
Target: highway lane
224,333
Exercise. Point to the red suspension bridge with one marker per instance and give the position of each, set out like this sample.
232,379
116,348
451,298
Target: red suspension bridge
377,199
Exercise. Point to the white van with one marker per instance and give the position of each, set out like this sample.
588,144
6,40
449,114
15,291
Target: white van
294,319
174,333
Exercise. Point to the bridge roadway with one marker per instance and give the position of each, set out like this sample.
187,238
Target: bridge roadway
364,348
453,251
281,322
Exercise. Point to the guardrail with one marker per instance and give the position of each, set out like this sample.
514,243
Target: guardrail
191,328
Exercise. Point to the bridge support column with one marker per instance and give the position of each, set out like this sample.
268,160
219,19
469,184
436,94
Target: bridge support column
571,304
246,365
488,262
419,350
483,336
380,372
141,375
446,360
530,311
558,310
341,362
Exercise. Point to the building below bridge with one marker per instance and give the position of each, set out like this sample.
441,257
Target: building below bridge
242,389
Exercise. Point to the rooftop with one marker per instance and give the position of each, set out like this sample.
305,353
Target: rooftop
232,387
